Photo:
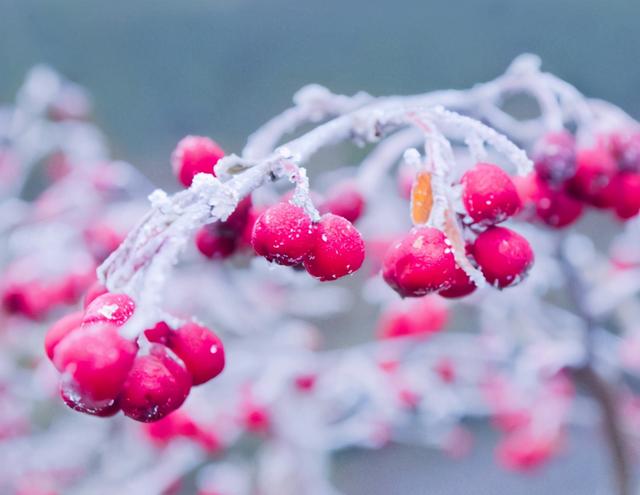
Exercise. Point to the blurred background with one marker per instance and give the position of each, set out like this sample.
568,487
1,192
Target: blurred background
158,70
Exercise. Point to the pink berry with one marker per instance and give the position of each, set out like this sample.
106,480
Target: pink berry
30,299
96,360
194,155
422,262
200,349
338,250
109,308
555,157
417,318
283,234
627,199
101,240
504,256
461,285
555,207
594,170
523,450
156,385
94,291
214,244
344,200
60,329
489,195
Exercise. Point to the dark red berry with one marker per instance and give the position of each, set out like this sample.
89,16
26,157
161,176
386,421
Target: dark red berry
283,234
461,285
156,385
504,256
200,349
420,263
338,249
488,194
594,170
554,157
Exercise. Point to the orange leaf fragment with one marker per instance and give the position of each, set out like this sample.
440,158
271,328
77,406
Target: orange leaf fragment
421,198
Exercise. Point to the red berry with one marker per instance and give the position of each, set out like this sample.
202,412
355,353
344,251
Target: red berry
95,290
417,318
422,262
237,221
488,194
283,234
625,148
200,349
97,361
77,402
159,334
555,207
30,299
555,157
60,329
214,244
338,250
101,240
627,197
109,308
594,170
194,155
256,418
504,256
344,200
156,385
524,450
461,285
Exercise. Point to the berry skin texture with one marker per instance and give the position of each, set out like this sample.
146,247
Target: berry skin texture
75,401
156,385
344,200
504,256
97,361
595,168
489,195
420,263
59,330
554,157
461,285
109,308
419,318
200,350
338,249
283,234
194,155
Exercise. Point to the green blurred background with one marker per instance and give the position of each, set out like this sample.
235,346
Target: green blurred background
161,69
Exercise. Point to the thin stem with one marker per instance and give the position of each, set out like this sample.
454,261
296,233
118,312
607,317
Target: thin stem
600,390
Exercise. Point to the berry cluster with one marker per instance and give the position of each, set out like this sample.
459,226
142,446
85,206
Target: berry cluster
568,178
423,261
103,372
328,249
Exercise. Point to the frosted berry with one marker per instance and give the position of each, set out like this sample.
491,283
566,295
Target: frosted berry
420,263
156,385
504,256
555,207
215,244
60,329
109,308
199,349
344,200
461,285
417,318
488,194
194,155
95,360
594,170
338,249
283,234
554,157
